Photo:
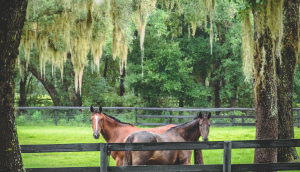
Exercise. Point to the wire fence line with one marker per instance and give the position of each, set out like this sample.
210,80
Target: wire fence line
236,117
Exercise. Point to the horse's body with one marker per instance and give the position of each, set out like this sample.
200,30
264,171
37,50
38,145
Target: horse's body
115,131
188,132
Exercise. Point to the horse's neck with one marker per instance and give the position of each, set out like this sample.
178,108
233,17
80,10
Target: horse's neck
190,132
113,131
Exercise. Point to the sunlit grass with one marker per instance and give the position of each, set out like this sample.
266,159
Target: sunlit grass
66,135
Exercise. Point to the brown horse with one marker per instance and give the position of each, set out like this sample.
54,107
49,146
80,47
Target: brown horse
187,132
115,131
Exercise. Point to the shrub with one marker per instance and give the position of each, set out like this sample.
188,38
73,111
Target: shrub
21,120
37,117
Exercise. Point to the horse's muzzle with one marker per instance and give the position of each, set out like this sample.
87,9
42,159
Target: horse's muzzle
96,135
205,139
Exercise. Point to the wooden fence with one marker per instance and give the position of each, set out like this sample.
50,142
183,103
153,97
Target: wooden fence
170,117
227,146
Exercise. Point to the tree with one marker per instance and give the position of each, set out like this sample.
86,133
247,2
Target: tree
285,71
12,14
275,50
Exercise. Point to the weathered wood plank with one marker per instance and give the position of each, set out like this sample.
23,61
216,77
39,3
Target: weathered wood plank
165,146
60,148
227,156
212,124
266,143
232,116
234,167
235,124
155,124
104,158
159,146
163,116
64,169
151,168
191,116
266,167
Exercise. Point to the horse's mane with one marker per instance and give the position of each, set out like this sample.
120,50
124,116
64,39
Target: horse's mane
184,124
113,118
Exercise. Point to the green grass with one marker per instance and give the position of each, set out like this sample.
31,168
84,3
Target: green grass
66,135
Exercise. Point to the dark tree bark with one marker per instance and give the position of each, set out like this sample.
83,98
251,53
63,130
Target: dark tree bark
265,90
217,87
12,19
285,72
22,100
233,97
181,104
122,79
48,86
105,67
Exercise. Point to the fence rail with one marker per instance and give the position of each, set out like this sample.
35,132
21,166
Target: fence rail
227,146
170,117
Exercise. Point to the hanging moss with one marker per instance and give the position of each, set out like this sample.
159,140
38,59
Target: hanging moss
247,45
78,26
270,18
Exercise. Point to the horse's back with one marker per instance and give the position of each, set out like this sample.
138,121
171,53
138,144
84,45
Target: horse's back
141,136
160,130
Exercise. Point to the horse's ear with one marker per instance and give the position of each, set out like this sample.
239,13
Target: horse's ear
100,109
200,115
92,109
209,115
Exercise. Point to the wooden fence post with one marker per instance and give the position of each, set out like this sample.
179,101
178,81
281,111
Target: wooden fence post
166,120
103,157
171,118
232,119
243,119
298,116
227,156
135,116
55,117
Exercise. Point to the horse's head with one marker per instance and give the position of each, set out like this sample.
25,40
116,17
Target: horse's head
204,125
97,121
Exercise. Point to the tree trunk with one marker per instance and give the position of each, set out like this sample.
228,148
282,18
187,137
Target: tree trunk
285,72
265,91
48,86
105,67
22,100
122,79
181,104
233,97
217,94
12,19
216,85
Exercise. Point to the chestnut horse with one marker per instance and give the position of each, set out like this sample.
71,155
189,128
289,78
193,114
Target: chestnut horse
187,132
115,131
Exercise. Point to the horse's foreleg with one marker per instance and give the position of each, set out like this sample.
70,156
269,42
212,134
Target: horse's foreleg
119,161
198,157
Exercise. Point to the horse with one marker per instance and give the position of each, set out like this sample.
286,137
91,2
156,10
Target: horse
115,131
187,132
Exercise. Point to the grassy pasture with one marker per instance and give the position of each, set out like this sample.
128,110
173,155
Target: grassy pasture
67,135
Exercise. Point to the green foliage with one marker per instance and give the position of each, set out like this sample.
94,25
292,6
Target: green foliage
176,66
37,117
21,120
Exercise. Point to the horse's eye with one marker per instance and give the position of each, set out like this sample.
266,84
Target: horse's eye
91,120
